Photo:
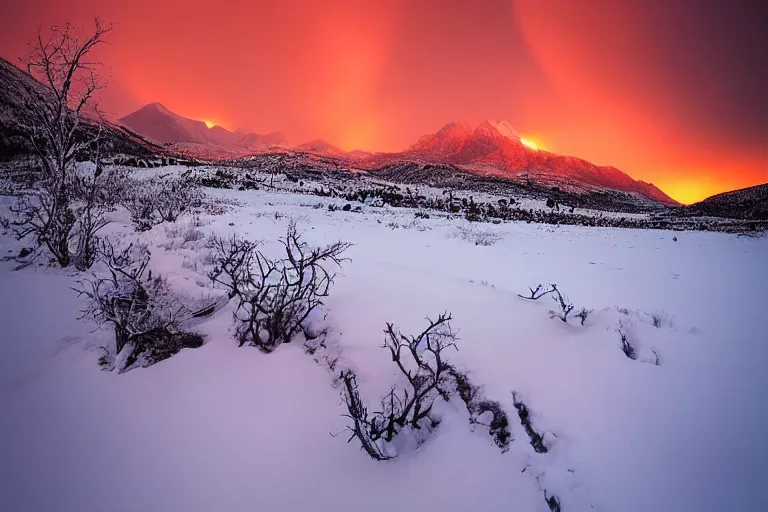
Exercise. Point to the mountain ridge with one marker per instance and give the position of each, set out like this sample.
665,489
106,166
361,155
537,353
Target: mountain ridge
159,124
496,148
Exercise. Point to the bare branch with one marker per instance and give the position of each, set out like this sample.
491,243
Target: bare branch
536,294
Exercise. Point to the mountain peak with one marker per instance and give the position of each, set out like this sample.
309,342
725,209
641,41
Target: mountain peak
490,128
454,128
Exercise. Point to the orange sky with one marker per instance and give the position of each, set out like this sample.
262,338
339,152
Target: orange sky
671,92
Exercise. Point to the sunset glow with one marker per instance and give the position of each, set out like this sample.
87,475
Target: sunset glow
667,93
209,124
529,143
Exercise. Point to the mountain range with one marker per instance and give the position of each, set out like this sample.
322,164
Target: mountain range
159,124
496,149
491,148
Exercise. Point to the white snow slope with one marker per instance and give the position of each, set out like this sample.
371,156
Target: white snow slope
227,428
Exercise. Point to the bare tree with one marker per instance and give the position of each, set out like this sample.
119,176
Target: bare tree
60,59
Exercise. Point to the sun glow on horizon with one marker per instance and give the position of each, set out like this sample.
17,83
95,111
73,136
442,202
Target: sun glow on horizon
209,124
529,143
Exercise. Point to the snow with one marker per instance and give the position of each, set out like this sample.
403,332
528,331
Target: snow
229,428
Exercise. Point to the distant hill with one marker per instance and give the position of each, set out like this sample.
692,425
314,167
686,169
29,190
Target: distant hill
747,203
19,90
319,146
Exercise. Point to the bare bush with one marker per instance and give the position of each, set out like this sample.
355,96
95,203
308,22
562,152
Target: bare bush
365,427
553,502
477,406
627,347
537,440
232,258
565,306
537,293
153,201
583,314
477,235
143,311
276,296
421,361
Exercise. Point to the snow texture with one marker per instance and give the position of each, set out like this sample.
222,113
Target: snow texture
228,428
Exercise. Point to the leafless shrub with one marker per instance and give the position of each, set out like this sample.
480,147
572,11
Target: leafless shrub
276,297
144,312
232,258
477,405
186,231
537,440
421,361
477,236
552,502
656,360
153,201
536,294
657,321
365,427
565,306
583,314
627,347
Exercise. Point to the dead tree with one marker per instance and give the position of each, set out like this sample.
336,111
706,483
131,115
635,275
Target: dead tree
565,306
536,294
60,61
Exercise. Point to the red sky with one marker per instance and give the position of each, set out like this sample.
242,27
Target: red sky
672,92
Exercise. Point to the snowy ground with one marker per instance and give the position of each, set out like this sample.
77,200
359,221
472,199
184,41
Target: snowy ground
228,428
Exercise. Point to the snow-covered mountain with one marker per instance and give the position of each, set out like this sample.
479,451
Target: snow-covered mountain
158,123
496,148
